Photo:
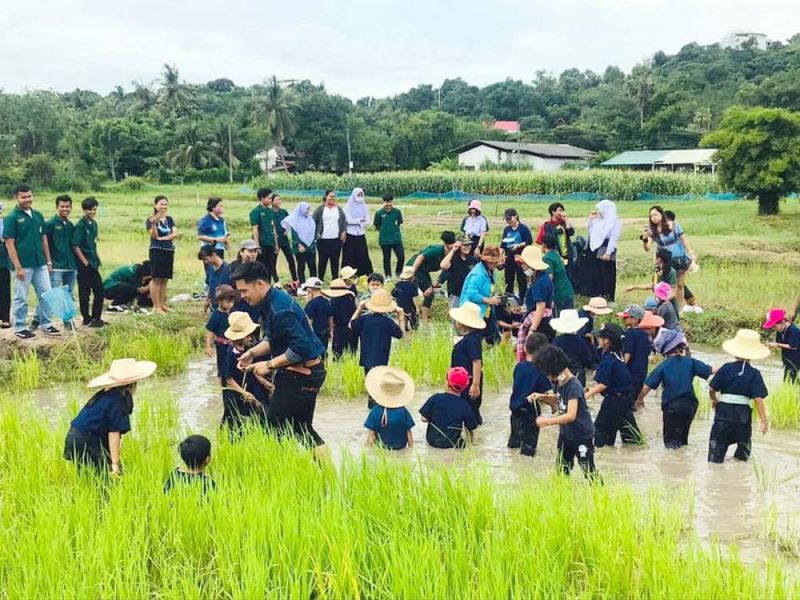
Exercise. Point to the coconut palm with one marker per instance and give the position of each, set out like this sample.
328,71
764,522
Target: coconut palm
196,150
144,96
175,97
273,112
640,86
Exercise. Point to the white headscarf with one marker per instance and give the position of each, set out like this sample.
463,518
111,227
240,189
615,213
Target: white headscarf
602,227
356,210
303,225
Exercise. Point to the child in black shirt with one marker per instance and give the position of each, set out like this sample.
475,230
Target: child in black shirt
405,293
196,455
468,352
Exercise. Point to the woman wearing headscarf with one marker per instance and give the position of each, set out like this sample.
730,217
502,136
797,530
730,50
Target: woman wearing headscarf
302,230
604,231
355,253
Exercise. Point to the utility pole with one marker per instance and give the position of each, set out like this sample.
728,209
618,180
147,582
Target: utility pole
230,156
349,156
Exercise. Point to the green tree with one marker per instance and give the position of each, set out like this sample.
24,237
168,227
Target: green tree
273,112
110,140
197,149
175,98
759,153
640,88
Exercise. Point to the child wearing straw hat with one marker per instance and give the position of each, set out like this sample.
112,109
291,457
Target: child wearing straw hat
538,299
376,330
404,293
738,384
676,373
389,423
787,338
468,352
319,311
528,382
244,395
343,304
567,325
450,419
95,434
216,342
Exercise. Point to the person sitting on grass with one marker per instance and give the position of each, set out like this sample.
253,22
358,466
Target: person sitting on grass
405,292
787,338
567,325
676,373
216,342
468,352
613,380
319,312
739,384
94,439
575,428
245,395
528,382
195,453
343,305
389,423
450,418
128,284
376,330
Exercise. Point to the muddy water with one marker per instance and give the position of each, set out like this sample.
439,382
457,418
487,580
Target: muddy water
729,501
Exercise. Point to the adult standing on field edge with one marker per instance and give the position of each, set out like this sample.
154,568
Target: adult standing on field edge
262,222
29,257
285,246
559,227
162,253
355,252
516,236
605,229
331,233
387,222
59,231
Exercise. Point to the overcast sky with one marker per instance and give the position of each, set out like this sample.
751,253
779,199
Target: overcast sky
355,47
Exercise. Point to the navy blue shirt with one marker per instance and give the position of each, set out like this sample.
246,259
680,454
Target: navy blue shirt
791,336
468,349
218,323
218,277
108,412
582,428
163,229
180,478
247,381
404,293
527,380
502,314
286,327
540,291
394,434
513,237
376,332
243,306
318,310
637,343
577,351
613,373
742,379
343,309
447,415
677,373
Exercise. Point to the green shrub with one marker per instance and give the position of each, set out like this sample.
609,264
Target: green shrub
132,184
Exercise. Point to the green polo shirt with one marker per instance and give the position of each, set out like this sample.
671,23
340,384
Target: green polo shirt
264,218
562,288
277,217
388,225
59,237
433,256
85,237
125,274
27,232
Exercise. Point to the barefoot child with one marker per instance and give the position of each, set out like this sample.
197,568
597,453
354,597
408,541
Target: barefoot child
787,338
468,352
216,342
739,384
528,381
389,423
196,455
676,373
450,418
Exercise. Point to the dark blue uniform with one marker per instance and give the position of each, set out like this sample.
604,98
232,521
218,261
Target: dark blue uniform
447,416
468,349
524,430
614,414
87,440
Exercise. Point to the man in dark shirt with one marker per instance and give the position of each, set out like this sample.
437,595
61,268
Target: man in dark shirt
295,351
429,261
456,265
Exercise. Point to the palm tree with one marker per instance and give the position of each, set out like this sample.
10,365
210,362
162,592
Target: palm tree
273,112
640,88
144,97
196,150
175,97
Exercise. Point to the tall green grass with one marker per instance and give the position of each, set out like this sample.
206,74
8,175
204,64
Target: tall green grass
783,406
279,526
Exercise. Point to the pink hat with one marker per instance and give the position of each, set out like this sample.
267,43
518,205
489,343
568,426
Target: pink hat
663,290
774,316
458,378
476,204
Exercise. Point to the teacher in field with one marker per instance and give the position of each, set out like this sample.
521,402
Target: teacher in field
604,231
355,253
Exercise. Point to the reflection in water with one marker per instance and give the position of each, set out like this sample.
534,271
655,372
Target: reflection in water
728,503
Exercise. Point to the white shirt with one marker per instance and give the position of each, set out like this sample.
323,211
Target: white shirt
330,223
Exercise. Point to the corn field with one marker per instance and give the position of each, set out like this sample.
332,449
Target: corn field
618,185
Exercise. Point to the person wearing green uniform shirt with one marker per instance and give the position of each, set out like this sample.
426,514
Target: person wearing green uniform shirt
387,222
278,215
129,283
59,231
429,261
29,257
262,221
84,244
563,292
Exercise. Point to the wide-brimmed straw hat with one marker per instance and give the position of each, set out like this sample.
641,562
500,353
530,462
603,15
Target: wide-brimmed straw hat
667,340
338,289
774,316
390,387
381,302
598,305
747,345
532,256
491,254
347,272
650,321
124,371
240,325
225,291
468,314
568,321
407,273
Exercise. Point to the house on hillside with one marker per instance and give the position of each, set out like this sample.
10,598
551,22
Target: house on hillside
539,157
738,40
694,160
272,161
507,126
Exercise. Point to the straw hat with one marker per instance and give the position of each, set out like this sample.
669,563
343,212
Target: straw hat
468,314
390,387
381,302
240,325
532,256
347,272
338,289
407,273
124,371
650,321
597,305
568,321
747,345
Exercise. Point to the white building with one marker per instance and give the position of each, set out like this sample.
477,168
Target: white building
539,157
738,39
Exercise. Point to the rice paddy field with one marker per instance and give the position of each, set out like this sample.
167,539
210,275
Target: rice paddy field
419,524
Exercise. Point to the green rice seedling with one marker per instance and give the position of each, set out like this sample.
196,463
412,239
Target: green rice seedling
783,406
26,370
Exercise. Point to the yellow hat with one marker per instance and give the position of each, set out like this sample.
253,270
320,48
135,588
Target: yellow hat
240,325
390,387
124,371
338,289
747,345
381,302
468,314
532,256
347,272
